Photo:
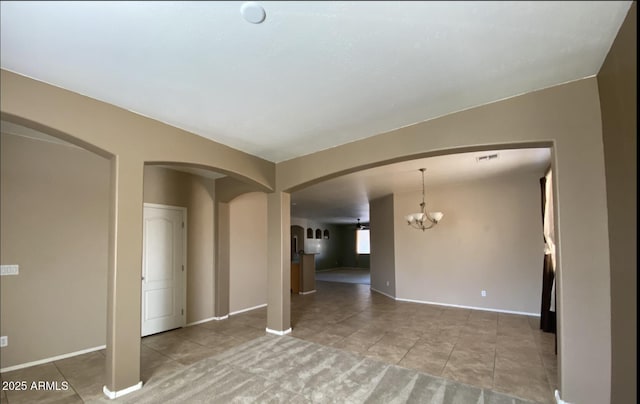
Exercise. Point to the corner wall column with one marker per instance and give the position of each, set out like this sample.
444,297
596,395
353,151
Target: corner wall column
279,263
221,278
123,279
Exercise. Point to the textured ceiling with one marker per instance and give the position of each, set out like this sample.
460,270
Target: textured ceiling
313,75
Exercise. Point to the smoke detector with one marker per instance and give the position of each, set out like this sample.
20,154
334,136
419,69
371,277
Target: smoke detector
253,12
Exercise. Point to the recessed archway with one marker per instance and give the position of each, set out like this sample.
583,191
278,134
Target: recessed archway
55,228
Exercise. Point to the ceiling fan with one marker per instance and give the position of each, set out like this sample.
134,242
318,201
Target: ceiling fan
360,226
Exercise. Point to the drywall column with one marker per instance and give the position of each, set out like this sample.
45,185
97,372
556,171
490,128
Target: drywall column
123,279
279,263
383,250
617,82
221,298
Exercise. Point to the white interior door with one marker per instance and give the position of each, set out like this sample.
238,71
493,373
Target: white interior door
163,264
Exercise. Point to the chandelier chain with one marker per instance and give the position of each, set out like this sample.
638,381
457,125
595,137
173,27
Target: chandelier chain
423,220
423,205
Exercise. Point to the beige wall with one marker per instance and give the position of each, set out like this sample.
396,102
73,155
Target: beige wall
130,141
54,215
248,251
567,117
169,187
490,239
227,189
383,246
617,81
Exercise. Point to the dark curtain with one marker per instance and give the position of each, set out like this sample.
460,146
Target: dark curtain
547,317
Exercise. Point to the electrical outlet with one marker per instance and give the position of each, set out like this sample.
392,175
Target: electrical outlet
9,269
4,341
387,283
483,293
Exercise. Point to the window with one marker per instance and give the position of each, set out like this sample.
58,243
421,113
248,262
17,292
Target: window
362,242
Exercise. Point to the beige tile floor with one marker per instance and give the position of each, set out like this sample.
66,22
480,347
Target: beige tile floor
503,352
507,353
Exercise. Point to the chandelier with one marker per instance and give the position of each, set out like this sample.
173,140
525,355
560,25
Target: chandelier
423,220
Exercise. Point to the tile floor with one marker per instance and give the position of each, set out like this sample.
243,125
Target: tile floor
345,275
503,352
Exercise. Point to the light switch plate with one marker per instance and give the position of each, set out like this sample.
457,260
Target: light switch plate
9,270
4,341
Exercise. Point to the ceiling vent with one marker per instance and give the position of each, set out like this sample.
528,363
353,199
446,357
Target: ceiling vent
486,157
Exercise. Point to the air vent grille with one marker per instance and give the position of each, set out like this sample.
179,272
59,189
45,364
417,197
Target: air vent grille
487,157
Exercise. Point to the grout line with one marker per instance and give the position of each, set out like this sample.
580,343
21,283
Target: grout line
363,314
162,354
65,378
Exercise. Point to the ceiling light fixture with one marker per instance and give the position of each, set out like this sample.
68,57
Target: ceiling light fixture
253,12
360,226
423,220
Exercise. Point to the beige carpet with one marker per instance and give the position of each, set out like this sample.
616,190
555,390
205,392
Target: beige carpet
273,369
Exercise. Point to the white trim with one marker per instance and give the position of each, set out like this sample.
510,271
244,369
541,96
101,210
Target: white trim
522,313
53,358
558,399
285,332
382,293
307,293
206,320
233,313
115,394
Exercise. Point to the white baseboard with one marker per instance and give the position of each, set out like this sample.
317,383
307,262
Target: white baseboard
281,333
51,359
558,399
522,313
400,299
115,394
383,293
307,293
233,313
206,320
